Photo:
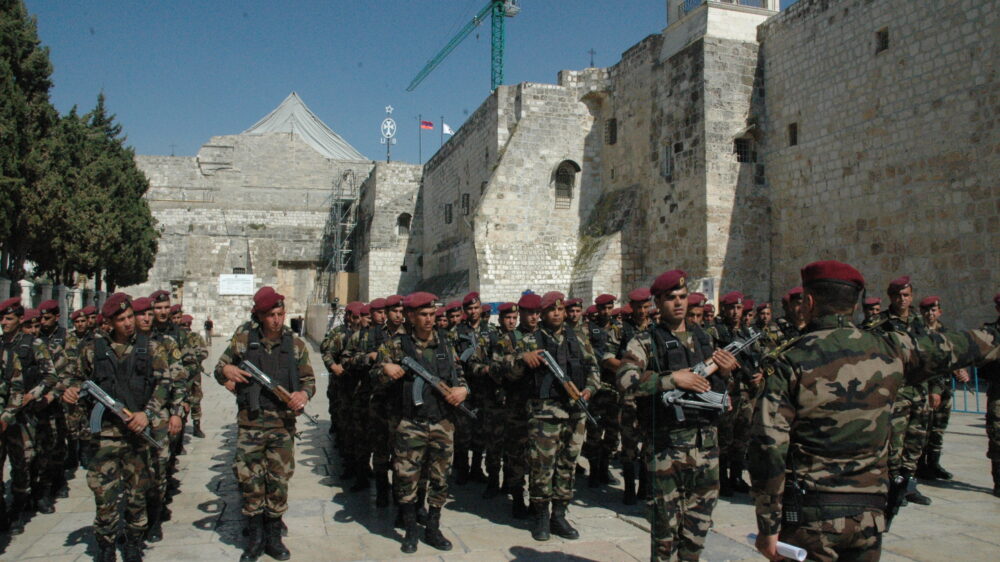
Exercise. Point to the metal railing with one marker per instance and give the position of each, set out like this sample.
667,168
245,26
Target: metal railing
689,5
969,397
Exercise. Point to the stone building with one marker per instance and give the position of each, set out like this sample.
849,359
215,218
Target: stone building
255,204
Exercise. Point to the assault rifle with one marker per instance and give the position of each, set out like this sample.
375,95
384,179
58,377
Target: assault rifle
708,400
106,402
471,338
425,377
279,391
568,386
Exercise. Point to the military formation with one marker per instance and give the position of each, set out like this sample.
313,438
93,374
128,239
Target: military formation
834,421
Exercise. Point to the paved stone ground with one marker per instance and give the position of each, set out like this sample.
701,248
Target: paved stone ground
327,523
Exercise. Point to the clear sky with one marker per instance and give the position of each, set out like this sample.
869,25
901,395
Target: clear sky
178,72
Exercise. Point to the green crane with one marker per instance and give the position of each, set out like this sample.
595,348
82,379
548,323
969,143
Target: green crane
498,10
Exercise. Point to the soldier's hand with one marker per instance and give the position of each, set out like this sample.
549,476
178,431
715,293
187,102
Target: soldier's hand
373,356
757,377
935,400
393,371
962,375
725,360
336,369
298,400
28,397
585,394
235,374
689,380
230,386
71,395
49,397
187,408
174,425
768,546
138,421
533,359
457,395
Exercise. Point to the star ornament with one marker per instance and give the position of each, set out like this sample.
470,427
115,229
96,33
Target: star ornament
388,109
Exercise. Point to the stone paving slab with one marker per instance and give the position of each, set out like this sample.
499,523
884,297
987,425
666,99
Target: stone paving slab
326,522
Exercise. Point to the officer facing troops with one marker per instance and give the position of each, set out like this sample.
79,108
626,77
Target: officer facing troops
424,437
684,453
265,458
135,370
818,457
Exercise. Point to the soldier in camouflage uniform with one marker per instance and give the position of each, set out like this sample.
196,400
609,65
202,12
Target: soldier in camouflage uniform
440,319
709,319
684,454
39,389
990,372
50,426
605,336
338,388
791,323
194,391
77,430
818,441
575,318
765,324
872,308
265,454
695,310
424,437
556,426
135,370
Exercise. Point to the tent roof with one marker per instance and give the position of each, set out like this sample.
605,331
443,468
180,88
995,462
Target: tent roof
292,116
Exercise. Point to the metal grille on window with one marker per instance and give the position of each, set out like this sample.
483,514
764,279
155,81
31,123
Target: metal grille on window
565,177
239,271
611,131
403,224
744,150
465,203
667,163
447,213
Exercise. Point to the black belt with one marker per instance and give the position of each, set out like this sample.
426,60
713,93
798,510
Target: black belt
819,499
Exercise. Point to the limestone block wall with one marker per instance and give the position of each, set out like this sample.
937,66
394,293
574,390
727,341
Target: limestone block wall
896,165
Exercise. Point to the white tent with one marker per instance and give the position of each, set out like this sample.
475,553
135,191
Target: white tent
292,116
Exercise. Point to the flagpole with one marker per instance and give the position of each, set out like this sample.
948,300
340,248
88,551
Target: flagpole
442,132
420,136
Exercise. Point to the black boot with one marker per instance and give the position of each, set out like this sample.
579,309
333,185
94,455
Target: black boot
255,539
421,508
736,478
133,546
19,513
154,512
594,473
476,473
935,468
72,460
492,485
348,472
642,493
519,509
725,484
432,533
559,525
165,513
409,513
916,497
996,478
4,518
628,473
540,528
381,488
605,463
106,549
60,489
196,429
461,467
272,539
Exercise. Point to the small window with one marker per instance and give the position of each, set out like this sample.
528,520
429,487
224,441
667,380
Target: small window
403,224
565,182
239,271
793,134
881,40
465,203
611,131
678,147
667,163
447,213
402,268
744,150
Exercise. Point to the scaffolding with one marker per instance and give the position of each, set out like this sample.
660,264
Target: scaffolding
340,224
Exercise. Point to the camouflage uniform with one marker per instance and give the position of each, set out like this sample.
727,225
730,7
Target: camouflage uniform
825,415
172,406
337,392
515,421
50,428
76,417
937,418
265,458
991,374
486,380
473,435
684,458
603,441
368,419
11,395
194,391
122,462
190,361
628,419
734,427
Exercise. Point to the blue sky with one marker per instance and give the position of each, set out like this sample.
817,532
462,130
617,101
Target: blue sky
178,72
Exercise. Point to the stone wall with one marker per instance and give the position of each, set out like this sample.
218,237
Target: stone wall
896,164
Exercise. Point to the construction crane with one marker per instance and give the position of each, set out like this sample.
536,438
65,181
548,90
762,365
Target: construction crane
498,10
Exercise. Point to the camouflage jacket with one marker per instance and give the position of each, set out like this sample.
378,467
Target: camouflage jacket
392,352
477,371
165,370
62,361
178,375
787,329
233,355
824,413
11,388
552,407
48,378
722,335
334,345
190,356
772,336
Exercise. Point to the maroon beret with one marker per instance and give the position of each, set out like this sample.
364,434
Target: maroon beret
177,308
265,290
420,299
75,314
160,296
487,308
731,298
696,299
795,293
616,311
393,301
141,304
265,301
832,270
49,307
930,302
453,305
186,320
898,284
748,304
366,310
354,307
604,299
115,305
591,310
639,295
30,314
439,312
709,307
12,306
872,301
552,298
471,298
508,307
530,302
627,309
763,306
670,281
574,302
89,310
377,304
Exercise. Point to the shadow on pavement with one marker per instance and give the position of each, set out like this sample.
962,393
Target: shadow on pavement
523,553
222,514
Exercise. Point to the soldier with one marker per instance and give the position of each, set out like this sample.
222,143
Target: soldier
990,372
39,389
556,427
265,454
525,314
337,390
709,319
77,430
50,426
791,323
134,369
487,312
604,337
440,319
454,312
30,323
382,416
749,313
194,391
474,338
425,433
574,316
818,460
695,310
684,459
93,322
591,314
636,323
872,307
771,334
176,313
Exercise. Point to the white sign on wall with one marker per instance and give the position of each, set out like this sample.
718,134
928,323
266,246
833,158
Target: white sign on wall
231,284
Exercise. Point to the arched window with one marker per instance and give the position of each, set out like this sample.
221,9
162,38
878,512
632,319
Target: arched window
565,181
403,224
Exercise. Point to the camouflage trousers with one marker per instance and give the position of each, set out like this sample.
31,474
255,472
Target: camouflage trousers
491,434
937,423
603,440
49,450
340,417
380,432
993,426
18,447
120,469
265,462
858,537
554,445
359,426
77,422
161,459
194,397
423,452
908,428
630,432
734,427
515,445
685,484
